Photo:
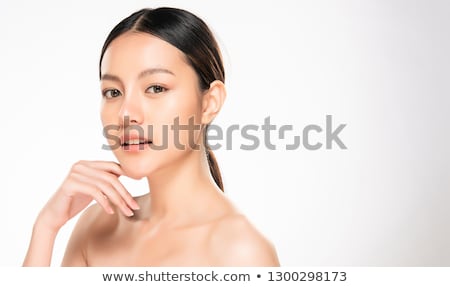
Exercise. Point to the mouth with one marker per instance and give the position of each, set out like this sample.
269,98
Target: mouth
136,142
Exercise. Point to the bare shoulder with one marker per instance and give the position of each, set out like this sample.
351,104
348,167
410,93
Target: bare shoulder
234,241
92,222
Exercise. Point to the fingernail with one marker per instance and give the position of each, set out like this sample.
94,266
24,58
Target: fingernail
135,205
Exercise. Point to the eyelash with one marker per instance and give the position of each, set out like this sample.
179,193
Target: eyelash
105,93
161,88
118,93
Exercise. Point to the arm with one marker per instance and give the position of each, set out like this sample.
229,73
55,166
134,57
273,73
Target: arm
87,181
41,246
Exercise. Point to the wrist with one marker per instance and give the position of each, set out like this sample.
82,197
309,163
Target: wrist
42,225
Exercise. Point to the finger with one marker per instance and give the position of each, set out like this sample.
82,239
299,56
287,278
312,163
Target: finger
108,166
91,190
107,189
114,181
110,179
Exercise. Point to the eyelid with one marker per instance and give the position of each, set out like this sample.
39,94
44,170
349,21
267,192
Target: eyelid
164,89
104,91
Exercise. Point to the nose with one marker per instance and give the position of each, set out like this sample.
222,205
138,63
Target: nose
131,111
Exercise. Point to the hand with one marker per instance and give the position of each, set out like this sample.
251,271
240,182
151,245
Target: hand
87,181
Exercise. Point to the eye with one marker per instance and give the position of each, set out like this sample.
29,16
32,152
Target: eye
111,93
155,89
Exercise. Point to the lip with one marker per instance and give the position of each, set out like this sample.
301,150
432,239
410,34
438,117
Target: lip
137,143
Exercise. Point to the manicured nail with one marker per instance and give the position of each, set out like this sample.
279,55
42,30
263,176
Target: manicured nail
135,205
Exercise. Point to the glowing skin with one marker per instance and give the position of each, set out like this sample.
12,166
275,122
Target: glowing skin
156,85
185,220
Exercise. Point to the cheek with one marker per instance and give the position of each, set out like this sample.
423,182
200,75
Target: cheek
177,124
183,105
111,128
108,114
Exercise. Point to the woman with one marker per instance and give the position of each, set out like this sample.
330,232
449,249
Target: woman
162,82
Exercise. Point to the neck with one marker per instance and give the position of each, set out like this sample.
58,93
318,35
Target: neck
180,190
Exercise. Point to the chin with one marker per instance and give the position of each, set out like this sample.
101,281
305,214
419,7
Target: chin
138,166
134,174
136,169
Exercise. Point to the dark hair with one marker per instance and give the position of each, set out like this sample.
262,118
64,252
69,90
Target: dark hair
190,35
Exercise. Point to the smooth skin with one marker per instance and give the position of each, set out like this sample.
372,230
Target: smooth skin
185,220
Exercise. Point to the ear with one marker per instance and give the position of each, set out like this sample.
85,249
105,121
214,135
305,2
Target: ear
212,101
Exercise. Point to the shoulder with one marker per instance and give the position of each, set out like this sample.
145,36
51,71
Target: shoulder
95,220
92,222
234,241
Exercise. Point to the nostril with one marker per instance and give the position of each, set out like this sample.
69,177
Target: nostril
127,120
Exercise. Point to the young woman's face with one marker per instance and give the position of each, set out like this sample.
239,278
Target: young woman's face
148,90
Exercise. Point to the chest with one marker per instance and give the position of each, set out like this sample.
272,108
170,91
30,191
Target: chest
175,248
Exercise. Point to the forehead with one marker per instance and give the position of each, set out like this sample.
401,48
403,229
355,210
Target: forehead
136,51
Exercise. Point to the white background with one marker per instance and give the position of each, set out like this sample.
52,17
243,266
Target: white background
380,67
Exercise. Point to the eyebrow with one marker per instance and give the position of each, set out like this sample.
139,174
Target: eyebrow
142,74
